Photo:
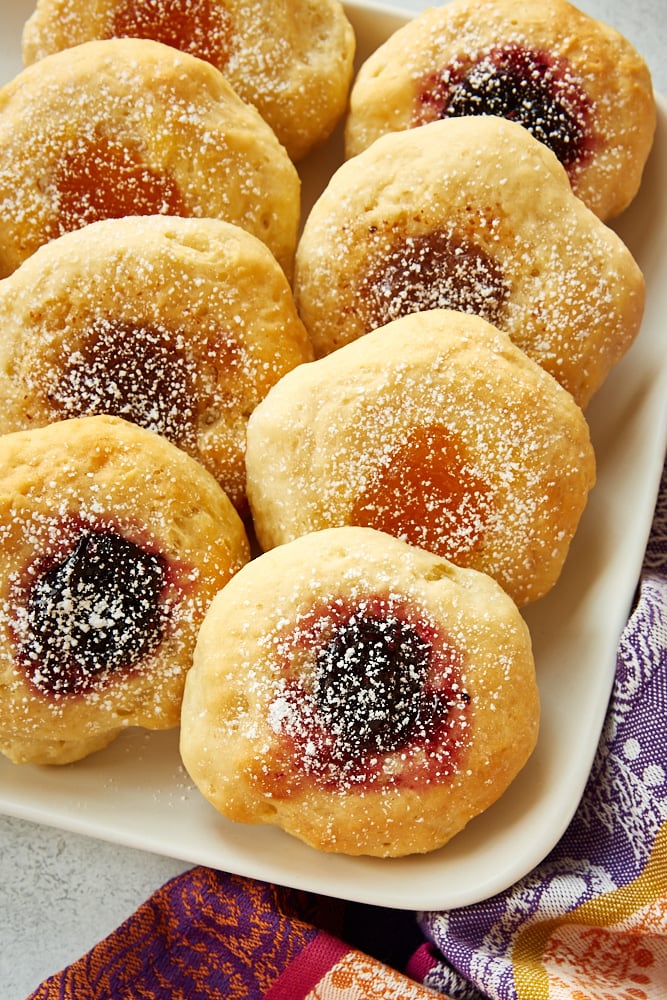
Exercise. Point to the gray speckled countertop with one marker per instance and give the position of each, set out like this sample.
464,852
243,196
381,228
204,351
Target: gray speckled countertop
61,892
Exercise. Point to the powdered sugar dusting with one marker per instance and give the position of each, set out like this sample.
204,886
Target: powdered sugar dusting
69,152
105,580
377,699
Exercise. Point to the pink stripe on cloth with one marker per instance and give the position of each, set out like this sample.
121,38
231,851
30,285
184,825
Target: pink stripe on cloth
421,962
308,968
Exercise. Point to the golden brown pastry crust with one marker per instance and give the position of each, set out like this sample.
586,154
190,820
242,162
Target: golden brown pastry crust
134,127
437,429
292,60
600,79
104,477
181,325
257,741
487,212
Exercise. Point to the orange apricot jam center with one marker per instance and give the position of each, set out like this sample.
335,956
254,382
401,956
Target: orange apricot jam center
198,27
428,495
103,179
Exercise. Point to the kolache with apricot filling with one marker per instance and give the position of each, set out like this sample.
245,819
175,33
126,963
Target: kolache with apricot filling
435,429
134,127
292,60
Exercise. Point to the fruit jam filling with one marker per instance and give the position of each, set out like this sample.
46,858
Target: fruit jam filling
202,28
143,374
531,88
426,493
383,703
89,612
434,270
99,178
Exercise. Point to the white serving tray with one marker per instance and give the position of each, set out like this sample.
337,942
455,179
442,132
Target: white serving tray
136,792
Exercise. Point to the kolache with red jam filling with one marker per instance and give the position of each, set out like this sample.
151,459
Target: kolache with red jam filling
530,88
293,61
366,696
383,679
576,84
191,323
114,542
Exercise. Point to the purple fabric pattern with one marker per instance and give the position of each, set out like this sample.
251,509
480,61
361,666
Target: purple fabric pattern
203,936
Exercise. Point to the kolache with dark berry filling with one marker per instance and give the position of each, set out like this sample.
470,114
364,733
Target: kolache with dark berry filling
368,697
114,542
89,610
573,82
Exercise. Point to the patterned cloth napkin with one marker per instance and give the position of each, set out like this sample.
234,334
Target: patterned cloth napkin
589,923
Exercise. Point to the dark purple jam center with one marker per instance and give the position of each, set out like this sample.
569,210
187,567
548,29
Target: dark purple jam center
434,271
384,703
94,612
139,373
527,87
368,683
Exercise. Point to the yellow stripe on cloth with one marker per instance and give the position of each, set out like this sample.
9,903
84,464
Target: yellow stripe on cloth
613,947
